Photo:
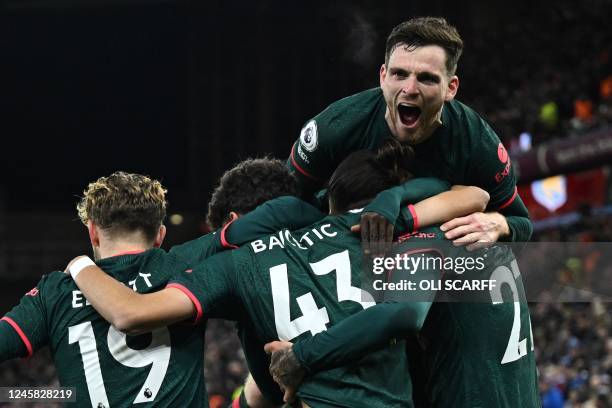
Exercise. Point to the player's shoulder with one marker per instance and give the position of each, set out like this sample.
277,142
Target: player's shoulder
347,112
467,125
358,101
290,203
57,279
53,285
163,265
195,249
220,261
286,200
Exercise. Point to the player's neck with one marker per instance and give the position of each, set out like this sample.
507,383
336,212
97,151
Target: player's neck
110,249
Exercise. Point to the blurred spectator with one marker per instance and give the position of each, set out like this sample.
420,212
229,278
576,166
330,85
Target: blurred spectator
551,396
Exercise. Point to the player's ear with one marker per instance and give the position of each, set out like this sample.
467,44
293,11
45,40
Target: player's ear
94,235
161,234
453,87
383,74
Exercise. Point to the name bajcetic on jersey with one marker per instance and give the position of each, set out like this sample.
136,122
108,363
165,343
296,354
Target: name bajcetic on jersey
284,238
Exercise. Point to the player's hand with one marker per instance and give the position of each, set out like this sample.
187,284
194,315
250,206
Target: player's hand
67,270
285,368
477,230
376,233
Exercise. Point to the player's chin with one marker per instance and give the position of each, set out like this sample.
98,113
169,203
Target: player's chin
407,135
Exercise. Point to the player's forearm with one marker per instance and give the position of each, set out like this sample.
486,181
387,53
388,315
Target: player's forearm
361,333
118,304
387,203
128,311
274,215
460,201
253,396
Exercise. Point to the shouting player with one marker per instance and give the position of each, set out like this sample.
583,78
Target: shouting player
416,105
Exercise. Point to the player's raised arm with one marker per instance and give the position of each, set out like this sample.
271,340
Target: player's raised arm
434,204
382,213
460,200
128,311
283,212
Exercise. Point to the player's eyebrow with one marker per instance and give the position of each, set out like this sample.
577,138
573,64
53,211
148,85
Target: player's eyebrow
399,71
428,76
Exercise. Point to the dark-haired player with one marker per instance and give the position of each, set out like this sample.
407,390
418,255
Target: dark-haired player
416,105
478,346
240,211
291,285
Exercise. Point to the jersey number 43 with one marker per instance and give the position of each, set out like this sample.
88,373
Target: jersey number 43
313,319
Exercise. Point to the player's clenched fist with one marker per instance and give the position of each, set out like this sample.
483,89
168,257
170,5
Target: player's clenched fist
285,368
376,233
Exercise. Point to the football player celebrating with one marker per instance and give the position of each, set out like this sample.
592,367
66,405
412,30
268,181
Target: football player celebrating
416,105
314,271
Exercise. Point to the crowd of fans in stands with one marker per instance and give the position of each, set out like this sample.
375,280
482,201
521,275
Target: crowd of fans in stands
554,78
574,340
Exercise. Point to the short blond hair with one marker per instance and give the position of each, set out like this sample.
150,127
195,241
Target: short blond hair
124,203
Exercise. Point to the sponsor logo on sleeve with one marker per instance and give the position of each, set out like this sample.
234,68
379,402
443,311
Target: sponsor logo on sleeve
32,292
502,155
302,154
416,234
308,136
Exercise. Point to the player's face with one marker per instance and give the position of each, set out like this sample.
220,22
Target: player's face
415,84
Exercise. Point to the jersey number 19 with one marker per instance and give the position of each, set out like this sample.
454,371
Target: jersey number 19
157,354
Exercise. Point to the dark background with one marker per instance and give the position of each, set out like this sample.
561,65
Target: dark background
182,90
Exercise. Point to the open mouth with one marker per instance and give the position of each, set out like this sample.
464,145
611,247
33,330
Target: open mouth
408,114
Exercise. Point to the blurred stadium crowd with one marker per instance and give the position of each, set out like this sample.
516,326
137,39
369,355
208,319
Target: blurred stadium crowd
561,86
